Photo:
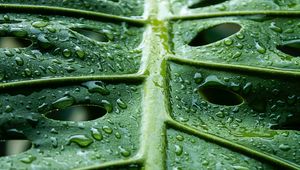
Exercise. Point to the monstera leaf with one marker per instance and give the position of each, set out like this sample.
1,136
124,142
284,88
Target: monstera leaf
149,84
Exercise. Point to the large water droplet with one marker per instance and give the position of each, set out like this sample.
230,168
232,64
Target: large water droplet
96,87
39,24
80,140
96,134
63,102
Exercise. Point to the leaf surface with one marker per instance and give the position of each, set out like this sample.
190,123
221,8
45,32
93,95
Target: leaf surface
108,84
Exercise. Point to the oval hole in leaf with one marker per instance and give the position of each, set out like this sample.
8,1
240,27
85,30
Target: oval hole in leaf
14,143
290,124
291,48
214,34
14,42
77,113
9,21
204,3
91,34
220,96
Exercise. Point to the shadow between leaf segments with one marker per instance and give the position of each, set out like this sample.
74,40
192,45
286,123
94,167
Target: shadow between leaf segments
268,158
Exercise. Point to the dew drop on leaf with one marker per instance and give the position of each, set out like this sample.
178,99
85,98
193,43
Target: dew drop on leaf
260,48
178,150
284,147
107,105
79,52
121,103
67,53
198,78
275,28
54,142
96,87
124,152
29,159
107,129
63,102
39,24
80,140
96,134
19,61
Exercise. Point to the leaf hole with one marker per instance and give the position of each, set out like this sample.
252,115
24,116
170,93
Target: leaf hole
220,96
9,21
92,34
291,48
77,113
14,42
205,3
214,34
290,124
14,142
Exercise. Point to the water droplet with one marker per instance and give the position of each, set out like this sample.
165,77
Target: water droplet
179,137
28,72
79,52
29,159
124,152
178,150
198,78
80,140
96,134
220,114
107,105
228,42
39,24
118,135
19,61
247,88
275,28
67,53
121,103
8,109
54,142
260,48
63,102
96,87
284,147
107,129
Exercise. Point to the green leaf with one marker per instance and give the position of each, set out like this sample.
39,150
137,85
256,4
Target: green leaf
113,84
